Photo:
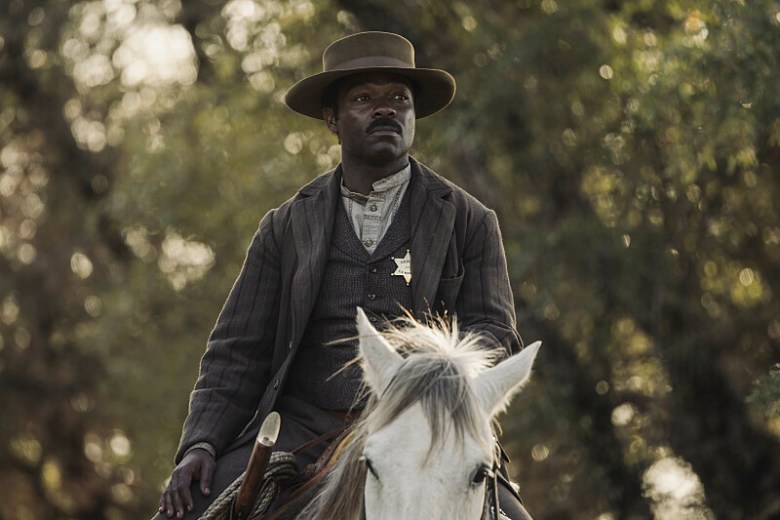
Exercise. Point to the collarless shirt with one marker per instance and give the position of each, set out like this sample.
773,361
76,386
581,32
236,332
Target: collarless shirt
372,214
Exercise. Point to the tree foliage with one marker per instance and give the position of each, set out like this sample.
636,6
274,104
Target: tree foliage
631,150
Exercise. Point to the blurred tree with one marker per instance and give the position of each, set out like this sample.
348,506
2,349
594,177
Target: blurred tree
632,136
631,150
60,253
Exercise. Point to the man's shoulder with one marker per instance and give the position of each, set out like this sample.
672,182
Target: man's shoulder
438,183
311,188
277,221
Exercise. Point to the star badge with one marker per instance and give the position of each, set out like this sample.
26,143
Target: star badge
404,267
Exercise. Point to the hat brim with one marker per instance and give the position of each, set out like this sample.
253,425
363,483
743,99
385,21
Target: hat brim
434,90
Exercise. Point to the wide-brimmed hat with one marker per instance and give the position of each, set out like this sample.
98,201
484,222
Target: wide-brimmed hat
372,51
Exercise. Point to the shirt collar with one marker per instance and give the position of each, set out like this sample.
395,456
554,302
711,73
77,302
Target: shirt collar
381,186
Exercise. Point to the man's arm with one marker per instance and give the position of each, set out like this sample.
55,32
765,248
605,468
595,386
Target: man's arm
235,369
485,304
233,373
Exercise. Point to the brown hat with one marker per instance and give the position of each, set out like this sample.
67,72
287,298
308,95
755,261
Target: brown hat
372,51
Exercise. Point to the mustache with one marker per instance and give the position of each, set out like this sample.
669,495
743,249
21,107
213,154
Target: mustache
384,122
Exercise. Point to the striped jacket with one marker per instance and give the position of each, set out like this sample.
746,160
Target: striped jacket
458,264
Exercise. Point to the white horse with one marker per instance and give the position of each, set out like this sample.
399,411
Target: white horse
424,446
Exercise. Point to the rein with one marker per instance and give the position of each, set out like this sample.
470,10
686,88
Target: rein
317,471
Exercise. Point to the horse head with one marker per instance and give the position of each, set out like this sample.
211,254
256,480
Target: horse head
427,441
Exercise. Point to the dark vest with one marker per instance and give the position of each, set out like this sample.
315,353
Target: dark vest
352,278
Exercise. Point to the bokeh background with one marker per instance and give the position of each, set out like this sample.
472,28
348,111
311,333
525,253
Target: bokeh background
631,149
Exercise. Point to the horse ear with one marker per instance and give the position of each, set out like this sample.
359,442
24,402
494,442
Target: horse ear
496,386
380,360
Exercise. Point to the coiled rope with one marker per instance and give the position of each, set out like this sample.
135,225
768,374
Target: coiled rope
282,470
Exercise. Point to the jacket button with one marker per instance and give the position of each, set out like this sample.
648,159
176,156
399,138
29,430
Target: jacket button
373,269
371,296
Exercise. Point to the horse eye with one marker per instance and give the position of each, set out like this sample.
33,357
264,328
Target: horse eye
482,473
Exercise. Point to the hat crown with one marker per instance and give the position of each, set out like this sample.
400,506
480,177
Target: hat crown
372,51
369,49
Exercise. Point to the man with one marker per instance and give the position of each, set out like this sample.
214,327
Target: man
381,231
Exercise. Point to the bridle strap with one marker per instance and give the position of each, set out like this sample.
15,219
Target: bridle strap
494,480
491,507
318,440
492,502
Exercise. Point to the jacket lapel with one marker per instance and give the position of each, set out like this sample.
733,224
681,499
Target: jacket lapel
312,225
433,219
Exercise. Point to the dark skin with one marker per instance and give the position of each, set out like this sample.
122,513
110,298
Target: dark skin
197,464
375,124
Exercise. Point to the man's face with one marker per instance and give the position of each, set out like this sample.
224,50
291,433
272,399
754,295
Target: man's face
375,119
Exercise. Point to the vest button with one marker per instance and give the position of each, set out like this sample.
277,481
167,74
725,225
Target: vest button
372,207
371,296
368,242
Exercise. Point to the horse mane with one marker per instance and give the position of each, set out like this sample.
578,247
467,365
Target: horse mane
439,362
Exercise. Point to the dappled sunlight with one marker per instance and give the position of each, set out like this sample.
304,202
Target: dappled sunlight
630,152
81,265
255,23
9,310
636,366
623,414
696,30
184,261
110,454
137,238
675,490
130,43
22,179
156,55
113,38
55,486
181,260
27,449
725,282
255,28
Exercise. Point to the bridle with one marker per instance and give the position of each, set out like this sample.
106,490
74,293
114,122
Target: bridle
491,505
491,508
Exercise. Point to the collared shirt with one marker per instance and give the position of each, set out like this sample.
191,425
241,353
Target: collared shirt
372,214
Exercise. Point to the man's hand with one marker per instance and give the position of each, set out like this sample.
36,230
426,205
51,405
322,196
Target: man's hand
197,464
